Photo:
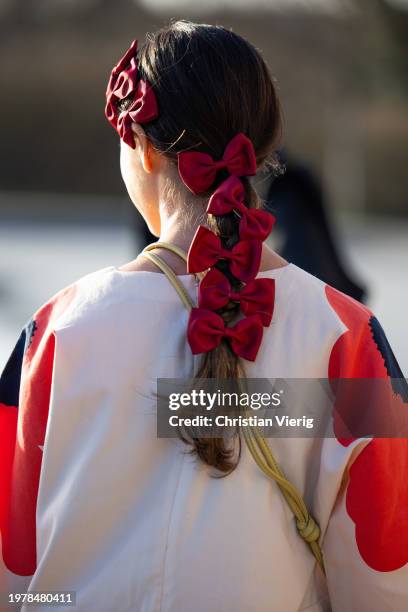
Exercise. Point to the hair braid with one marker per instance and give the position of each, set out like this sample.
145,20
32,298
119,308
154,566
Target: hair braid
222,362
210,84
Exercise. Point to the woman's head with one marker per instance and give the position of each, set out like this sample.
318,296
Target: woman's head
210,84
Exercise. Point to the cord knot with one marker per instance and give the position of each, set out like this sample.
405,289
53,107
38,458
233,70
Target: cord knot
308,529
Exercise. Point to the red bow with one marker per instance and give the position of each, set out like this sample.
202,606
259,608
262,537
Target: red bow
124,61
206,249
257,297
198,170
229,197
122,83
206,329
142,110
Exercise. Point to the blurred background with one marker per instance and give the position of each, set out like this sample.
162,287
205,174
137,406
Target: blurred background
341,71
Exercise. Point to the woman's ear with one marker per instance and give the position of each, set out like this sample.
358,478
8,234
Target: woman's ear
144,146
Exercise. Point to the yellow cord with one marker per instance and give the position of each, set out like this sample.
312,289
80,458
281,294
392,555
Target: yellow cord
307,527
169,247
173,249
178,286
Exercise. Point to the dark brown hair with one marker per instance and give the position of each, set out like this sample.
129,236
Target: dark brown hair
211,84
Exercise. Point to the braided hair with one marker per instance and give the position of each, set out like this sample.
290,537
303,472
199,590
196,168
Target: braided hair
211,84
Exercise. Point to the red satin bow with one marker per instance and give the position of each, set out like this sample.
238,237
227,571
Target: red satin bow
125,59
122,83
198,170
230,196
257,297
206,249
206,329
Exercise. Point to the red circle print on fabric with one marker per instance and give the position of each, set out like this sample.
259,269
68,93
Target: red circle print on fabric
377,491
25,388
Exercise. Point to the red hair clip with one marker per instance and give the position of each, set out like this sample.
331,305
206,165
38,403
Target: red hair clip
198,170
257,297
122,83
230,197
206,249
206,329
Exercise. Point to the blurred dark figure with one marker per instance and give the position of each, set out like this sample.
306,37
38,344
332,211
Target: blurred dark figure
296,199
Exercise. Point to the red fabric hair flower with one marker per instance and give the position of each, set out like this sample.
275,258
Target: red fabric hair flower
124,82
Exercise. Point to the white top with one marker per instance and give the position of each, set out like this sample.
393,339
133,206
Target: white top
97,504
